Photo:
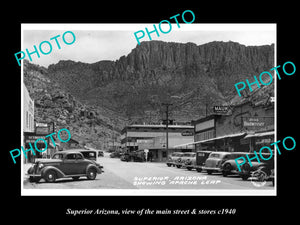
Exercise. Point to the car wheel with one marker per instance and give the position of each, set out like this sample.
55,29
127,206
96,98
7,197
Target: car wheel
189,168
226,170
91,174
50,176
168,164
75,178
209,172
199,170
178,166
245,177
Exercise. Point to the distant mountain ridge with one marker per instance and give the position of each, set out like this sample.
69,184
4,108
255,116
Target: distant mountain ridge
197,76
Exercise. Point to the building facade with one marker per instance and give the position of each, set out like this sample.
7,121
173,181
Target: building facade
153,138
28,112
28,121
244,128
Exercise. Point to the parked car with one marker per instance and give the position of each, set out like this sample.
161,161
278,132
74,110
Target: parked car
89,154
114,155
198,161
180,162
265,166
230,166
125,157
100,153
173,158
64,164
215,160
137,156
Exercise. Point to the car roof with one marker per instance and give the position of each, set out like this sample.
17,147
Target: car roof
221,153
189,152
68,152
205,151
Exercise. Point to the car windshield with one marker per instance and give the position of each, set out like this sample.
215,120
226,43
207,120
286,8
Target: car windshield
57,156
189,154
215,155
89,154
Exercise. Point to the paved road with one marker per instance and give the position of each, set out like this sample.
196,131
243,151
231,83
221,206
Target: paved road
148,175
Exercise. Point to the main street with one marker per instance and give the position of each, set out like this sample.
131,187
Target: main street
148,175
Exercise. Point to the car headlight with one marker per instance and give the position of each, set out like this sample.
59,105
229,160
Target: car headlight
41,166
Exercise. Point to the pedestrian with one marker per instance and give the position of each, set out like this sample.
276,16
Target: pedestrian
150,156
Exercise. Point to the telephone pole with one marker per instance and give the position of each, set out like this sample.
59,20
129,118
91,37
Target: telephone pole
167,124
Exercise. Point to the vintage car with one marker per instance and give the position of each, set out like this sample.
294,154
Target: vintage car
64,164
180,162
89,154
100,153
197,162
230,166
125,157
265,166
137,156
173,158
215,160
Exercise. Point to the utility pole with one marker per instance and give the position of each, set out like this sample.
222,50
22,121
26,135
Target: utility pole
167,124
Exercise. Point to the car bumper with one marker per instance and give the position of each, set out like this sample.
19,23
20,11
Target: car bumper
100,169
33,175
212,168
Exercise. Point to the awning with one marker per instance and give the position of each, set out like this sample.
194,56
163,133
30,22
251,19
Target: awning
181,145
260,134
212,139
221,137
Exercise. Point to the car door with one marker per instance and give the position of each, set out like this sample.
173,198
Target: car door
69,165
81,164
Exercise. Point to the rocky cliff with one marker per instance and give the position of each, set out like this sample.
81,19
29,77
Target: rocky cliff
192,77
90,125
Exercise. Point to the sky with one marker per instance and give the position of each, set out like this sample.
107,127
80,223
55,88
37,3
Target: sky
95,42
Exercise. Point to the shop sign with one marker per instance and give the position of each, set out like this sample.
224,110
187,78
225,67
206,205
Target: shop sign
244,141
31,139
41,128
187,133
263,141
253,122
221,108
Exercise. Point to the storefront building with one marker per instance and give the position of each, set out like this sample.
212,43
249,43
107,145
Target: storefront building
244,128
28,117
153,138
41,130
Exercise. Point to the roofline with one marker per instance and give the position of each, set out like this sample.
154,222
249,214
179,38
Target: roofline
156,126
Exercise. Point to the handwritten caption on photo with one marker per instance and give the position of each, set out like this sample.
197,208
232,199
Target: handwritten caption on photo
177,180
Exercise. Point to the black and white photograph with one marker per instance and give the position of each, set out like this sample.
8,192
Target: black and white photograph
163,109
177,112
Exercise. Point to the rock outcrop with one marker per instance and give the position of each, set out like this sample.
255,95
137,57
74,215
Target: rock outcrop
135,85
88,124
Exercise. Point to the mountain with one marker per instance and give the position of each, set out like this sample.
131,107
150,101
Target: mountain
192,77
89,125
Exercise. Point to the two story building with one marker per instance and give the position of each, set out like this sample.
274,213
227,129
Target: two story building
153,137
